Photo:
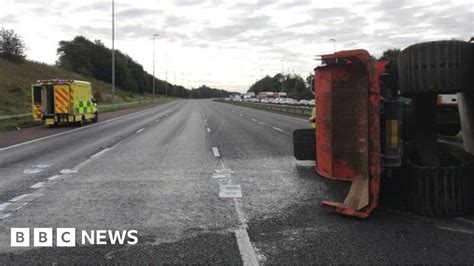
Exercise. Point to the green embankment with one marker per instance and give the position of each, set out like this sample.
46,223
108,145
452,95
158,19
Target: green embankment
15,91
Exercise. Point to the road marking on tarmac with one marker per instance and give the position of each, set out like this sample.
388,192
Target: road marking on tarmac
278,129
140,130
230,191
38,185
69,171
32,171
77,129
253,119
215,150
100,153
241,114
208,130
465,220
469,232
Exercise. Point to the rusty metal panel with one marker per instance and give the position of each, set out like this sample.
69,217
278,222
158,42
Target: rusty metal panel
342,120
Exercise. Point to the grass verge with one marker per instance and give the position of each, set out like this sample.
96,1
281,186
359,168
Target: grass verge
26,121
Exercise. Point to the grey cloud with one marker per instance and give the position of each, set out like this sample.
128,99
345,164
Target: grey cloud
9,19
240,26
174,21
136,13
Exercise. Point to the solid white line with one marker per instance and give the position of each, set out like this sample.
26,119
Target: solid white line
456,230
140,130
253,119
208,130
32,171
100,153
247,253
279,129
76,129
216,152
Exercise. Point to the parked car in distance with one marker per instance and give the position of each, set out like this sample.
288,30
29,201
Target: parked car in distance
311,102
303,102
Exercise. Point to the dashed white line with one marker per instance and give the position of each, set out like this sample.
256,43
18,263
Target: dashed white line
253,119
241,114
261,123
69,171
215,151
140,130
32,171
208,130
38,185
278,129
54,177
157,120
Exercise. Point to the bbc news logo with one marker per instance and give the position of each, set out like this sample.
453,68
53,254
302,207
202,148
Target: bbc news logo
66,237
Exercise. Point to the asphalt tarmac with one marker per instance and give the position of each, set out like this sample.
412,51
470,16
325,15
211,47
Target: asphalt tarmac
202,182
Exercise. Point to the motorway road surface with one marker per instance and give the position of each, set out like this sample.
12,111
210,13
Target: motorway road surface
163,171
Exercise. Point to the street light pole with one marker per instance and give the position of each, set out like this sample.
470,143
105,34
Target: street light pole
154,35
113,52
334,44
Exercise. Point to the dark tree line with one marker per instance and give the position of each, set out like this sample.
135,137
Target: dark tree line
294,85
94,59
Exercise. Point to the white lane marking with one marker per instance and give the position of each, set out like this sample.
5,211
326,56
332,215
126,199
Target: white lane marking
43,166
25,197
140,130
69,171
4,215
38,185
157,120
32,171
3,206
261,123
465,220
208,130
253,119
230,191
76,129
247,253
279,129
205,120
224,171
215,151
469,232
100,153
54,177
221,176
241,114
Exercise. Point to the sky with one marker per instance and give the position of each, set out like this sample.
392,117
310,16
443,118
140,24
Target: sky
231,44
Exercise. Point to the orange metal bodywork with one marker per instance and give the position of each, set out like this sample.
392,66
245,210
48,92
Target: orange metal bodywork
348,127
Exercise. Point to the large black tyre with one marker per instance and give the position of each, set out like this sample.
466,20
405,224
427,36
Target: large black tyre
443,191
436,67
449,130
95,118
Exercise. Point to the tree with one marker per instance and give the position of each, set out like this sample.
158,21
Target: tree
12,47
390,54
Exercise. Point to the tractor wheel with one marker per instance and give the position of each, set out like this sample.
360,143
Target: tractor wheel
436,67
443,191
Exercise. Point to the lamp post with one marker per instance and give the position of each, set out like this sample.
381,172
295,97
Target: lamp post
113,52
154,35
334,44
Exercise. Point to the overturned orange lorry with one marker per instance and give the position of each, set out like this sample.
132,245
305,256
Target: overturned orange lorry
377,118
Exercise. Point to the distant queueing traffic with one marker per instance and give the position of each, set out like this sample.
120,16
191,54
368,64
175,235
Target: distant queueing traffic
269,97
